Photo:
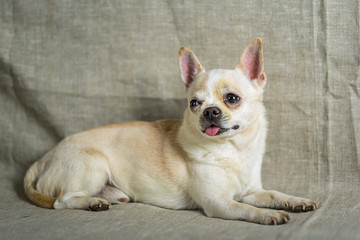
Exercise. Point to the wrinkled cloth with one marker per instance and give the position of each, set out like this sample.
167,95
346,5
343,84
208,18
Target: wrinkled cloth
67,66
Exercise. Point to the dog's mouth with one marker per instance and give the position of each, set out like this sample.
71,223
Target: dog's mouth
214,130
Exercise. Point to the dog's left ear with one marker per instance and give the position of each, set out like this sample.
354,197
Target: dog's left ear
252,62
189,65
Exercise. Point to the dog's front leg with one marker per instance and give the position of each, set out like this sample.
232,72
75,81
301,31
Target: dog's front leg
232,210
278,200
215,197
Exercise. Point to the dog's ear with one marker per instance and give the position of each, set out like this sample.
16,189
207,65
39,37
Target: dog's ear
252,62
189,65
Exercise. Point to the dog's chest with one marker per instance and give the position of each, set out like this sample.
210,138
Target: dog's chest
239,167
236,170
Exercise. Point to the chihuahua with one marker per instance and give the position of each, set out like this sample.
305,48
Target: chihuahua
210,160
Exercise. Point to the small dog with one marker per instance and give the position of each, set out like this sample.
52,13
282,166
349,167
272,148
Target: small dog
210,160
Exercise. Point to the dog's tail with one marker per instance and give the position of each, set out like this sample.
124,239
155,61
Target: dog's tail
35,196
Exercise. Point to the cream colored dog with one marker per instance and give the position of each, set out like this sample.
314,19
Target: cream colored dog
210,160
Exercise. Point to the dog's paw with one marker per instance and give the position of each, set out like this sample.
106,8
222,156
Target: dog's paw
300,205
99,205
272,217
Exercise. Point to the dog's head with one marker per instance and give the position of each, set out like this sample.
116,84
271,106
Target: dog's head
223,102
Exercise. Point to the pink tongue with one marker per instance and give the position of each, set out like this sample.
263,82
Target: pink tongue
212,130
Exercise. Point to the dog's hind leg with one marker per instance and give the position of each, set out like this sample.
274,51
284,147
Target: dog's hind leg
81,200
80,181
84,194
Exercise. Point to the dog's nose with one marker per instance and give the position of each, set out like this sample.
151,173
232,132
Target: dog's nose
212,113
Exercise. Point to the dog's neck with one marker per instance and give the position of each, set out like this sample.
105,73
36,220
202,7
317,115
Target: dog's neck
255,133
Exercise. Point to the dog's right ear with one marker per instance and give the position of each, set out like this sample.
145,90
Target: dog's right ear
189,65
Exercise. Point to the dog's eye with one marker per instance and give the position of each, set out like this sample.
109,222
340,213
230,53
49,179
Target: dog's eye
232,98
194,103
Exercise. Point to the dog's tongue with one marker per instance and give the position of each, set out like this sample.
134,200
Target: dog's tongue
212,130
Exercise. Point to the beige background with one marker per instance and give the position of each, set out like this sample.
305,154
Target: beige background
66,66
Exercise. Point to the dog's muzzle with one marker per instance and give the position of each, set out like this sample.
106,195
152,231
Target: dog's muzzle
212,121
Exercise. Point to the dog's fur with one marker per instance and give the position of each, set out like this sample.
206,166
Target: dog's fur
210,160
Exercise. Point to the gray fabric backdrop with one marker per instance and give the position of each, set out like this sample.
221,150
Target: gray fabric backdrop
66,66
